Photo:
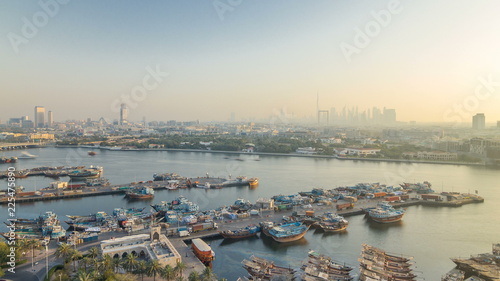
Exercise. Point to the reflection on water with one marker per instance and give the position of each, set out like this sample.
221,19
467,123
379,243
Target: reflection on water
422,229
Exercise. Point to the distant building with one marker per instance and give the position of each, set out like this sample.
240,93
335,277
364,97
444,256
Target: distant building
478,121
306,150
50,119
434,155
123,114
361,151
39,117
390,115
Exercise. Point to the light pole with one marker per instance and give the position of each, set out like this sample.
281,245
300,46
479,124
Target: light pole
47,259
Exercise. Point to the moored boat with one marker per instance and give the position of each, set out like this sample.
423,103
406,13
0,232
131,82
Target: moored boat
253,182
333,223
288,232
88,173
385,213
203,251
142,193
245,232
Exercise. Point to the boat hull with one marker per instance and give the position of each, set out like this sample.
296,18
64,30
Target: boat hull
387,219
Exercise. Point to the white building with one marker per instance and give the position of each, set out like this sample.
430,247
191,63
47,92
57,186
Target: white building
154,246
361,151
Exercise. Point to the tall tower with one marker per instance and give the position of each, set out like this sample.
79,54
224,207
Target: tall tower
478,121
123,114
39,117
50,119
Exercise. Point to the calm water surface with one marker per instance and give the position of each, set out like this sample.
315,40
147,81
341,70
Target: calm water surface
431,235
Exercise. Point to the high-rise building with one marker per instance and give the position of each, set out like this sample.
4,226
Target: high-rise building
123,114
478,121
50,119
389,115
39,117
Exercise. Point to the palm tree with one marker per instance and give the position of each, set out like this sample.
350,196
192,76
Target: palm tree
74,254
130,263
63,251
117,263
180,278
33,244
207,274
85,261
194,276
141,268
154,268
168,273
179,267
93,252
106,263
83,275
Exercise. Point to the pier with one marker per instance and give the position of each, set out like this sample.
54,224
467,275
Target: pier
82,190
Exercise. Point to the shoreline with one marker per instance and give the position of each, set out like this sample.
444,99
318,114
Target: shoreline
286,155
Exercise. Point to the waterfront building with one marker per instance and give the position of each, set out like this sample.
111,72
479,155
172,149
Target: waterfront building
478,121
361,151
39,117
431,155
154,246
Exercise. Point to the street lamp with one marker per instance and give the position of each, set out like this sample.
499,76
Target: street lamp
47,259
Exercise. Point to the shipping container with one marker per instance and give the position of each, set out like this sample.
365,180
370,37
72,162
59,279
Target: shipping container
345,206
392,198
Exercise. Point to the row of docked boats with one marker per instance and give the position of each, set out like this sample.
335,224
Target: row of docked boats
315,267
376,264
45,226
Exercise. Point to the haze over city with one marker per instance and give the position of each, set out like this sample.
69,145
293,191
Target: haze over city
432,62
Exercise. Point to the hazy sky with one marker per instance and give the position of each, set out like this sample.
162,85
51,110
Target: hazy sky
80,59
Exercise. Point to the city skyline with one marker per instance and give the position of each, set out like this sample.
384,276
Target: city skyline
178,61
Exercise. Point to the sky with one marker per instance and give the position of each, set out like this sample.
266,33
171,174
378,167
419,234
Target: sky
432,61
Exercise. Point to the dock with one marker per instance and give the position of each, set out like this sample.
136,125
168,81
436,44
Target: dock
82,190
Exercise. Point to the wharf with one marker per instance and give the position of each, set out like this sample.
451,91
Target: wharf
87,191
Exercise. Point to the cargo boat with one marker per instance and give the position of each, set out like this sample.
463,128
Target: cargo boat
376,264
385,213
288,232
333,223
88,173
142,193
203,251
245,232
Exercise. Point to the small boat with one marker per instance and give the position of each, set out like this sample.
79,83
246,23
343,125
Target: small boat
203,251
142,193
26,155
91,153
21,174
8,160
253,182
288,232
385,213
245,232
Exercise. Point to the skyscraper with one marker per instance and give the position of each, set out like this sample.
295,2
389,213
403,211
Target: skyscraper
50,119
478,121
123,114
39,117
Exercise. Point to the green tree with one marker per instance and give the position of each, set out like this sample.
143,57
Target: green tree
179,267
194,276
207,274
168,273
154,268
130,263
141,268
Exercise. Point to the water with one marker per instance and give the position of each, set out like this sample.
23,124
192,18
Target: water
431,235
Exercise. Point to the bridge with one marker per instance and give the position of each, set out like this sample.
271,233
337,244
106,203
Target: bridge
21,145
